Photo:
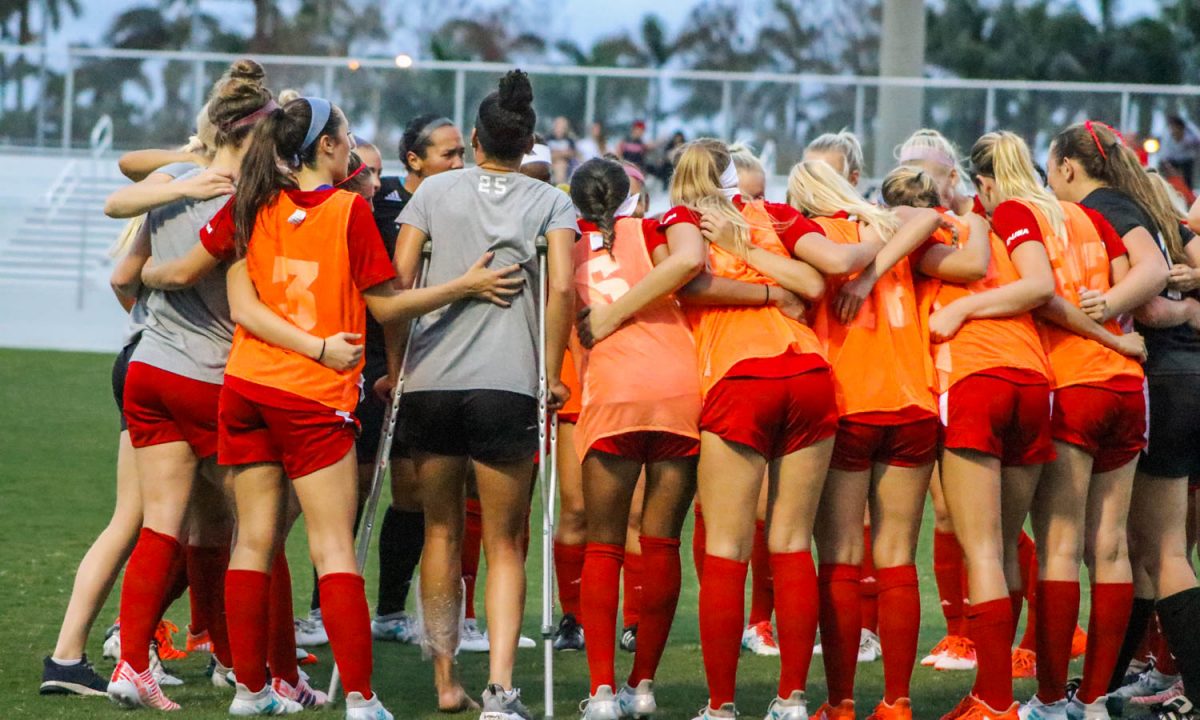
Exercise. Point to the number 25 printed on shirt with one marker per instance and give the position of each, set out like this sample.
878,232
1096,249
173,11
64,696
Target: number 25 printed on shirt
489,185
301,306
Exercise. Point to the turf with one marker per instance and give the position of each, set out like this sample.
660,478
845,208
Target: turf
58,428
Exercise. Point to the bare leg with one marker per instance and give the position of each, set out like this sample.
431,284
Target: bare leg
897,505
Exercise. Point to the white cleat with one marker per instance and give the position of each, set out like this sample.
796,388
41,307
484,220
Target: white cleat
501,704
637,703
112,645
398,627
359,709
601,705
302,693
131,690
759,639
1035,709
1095,710
222,676
794,707
310,631
1150,682
470,639
161,675
869,648
726,712
265,702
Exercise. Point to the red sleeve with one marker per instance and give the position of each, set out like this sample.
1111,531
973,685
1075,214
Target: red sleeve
654,238
1112,241
791,224
1015,224
217,236
676,215
977,207
369,261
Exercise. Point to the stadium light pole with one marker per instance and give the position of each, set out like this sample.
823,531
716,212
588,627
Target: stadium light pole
901,53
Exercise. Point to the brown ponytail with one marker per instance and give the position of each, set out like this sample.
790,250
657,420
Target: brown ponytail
598,188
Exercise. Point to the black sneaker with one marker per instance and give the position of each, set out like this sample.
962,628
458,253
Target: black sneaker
569,635
1177,708
629,639
77,679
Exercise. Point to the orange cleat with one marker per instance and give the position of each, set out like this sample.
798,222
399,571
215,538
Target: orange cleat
304,657
958,655
198,643
937,652
1078,643
166,646
1024,663
842,711
899,710
972,708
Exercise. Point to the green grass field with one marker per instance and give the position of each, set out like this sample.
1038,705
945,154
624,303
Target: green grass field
58,429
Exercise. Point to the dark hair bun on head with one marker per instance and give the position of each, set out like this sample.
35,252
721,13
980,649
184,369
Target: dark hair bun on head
516,94
506,118
246,70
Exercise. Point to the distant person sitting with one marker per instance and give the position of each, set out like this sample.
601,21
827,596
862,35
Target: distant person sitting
634,147
562,149
1179,147
593,146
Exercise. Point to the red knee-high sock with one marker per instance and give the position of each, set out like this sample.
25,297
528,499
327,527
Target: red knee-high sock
631,600
600,590
142,593
899,628
1164,661
247,597
1150,640
949,572
796,614
568,571
868,586
348,621
1057,613
840,625
1016,599
472,537
762,594
1027,556
177,583
660,561
1111,605
281,650
722,610
206,580
989,625
698,541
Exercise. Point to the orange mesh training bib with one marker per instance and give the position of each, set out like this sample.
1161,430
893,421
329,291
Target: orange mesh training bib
1080,262
983,344
880,360
729,334
302,272
642,377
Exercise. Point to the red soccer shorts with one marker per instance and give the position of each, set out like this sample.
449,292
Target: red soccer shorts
301,434
772,416
162,407
648,446
1110,426
1000,418
859,445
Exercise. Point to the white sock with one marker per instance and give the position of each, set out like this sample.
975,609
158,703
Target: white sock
65,663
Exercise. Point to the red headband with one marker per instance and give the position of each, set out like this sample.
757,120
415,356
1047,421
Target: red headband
1096,138
352,175
252,117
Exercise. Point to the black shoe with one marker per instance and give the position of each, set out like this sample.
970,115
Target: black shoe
569,635
77,679
629,639
1177,708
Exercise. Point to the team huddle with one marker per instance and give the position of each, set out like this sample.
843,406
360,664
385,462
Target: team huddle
792,373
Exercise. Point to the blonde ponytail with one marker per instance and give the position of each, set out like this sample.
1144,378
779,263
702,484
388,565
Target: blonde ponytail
1004,157
696,185
815,188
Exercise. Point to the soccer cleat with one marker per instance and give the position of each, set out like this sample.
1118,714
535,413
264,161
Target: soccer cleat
1136,667
972,708
726,712
938,651
77,679
523,641
869,648
112,643
637,703
961,708
198,643
1024,663
397,627
264,702
600,705
470,639
311,630
842,711
569,635
219,675
1078,643
1178,708
131,689
1095,710
794,707
1160,698
959,654
302,693
899,710
759,639
1035,709
160,671
163,636
358,708
1150,682
304,657
629,639
501,704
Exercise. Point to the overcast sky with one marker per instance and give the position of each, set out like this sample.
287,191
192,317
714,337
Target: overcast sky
580,19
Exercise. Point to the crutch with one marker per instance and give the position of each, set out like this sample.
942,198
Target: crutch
547,481
383,456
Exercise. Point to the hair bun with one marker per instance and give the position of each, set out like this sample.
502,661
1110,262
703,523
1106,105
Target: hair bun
247,70
515,93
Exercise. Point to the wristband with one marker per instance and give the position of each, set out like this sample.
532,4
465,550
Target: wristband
767,299
322,350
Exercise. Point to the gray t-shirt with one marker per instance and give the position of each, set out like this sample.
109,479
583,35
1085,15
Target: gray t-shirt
178,169
188,332
473,344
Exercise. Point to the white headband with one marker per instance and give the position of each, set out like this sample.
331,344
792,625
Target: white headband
628,206
729,181
927,153
539,154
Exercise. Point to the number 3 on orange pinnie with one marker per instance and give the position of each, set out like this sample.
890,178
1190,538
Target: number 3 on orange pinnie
301,307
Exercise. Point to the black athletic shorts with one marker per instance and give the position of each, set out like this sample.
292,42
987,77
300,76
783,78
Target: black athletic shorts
120,367
494,426
1174,447
370,413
